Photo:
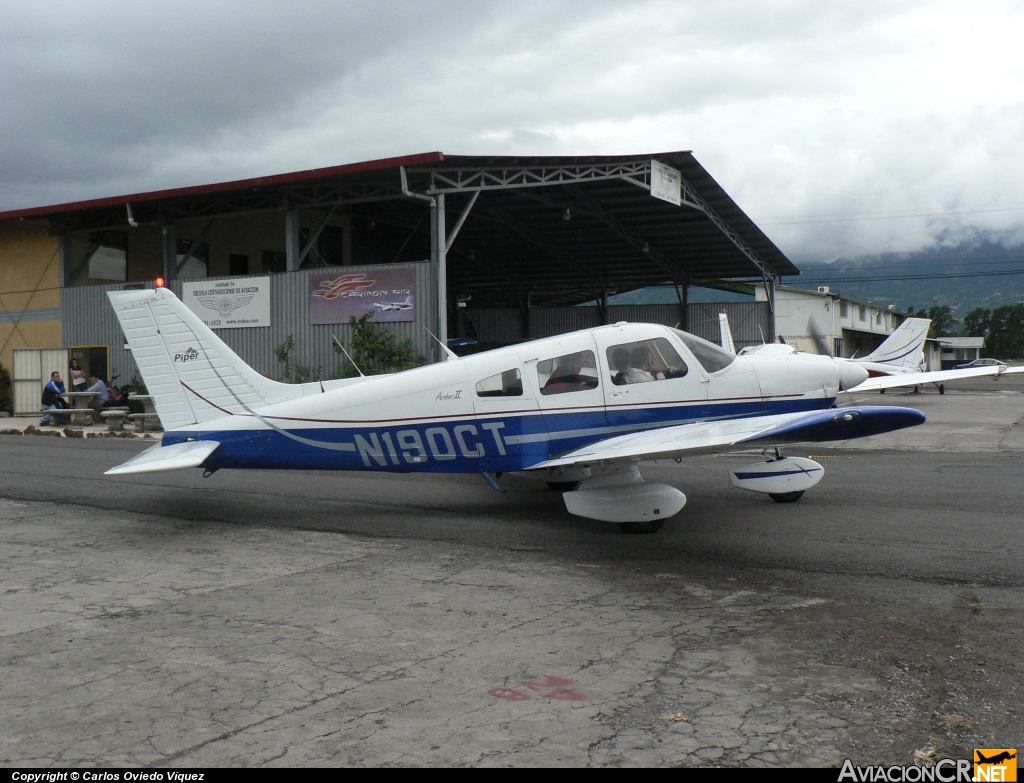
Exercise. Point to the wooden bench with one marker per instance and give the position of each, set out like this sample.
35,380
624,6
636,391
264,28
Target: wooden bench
140,420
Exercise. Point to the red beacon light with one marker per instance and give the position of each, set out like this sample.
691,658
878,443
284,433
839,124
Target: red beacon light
160,282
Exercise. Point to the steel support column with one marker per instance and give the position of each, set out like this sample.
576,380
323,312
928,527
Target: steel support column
65,260
170,244
439,265
291,240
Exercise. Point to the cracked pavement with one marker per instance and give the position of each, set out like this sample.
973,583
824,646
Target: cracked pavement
323,619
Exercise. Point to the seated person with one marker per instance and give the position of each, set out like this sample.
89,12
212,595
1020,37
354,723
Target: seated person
620,364
52,399
567,378
96,385
643,359
634,372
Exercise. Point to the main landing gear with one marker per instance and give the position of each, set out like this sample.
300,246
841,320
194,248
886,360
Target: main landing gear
783,479
563,486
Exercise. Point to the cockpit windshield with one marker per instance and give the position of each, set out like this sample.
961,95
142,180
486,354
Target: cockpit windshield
711,357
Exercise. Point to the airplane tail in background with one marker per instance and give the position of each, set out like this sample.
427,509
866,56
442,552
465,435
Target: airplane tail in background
723,325
903,348
193,376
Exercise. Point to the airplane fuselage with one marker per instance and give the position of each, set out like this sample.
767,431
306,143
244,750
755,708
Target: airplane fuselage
509,409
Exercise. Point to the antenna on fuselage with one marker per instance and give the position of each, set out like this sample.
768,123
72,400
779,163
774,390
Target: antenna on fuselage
451,355
338,343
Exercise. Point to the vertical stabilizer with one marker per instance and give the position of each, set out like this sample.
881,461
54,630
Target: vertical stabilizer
904,347
723,325
193,376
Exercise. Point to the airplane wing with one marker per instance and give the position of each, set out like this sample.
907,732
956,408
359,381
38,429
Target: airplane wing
939,376
180,456
716,436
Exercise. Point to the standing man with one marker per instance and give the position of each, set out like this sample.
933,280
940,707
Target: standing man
52,399
96,385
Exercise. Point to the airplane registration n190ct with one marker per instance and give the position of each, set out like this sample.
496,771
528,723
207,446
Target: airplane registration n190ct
579,411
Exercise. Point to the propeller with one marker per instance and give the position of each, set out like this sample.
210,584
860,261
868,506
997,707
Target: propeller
819,340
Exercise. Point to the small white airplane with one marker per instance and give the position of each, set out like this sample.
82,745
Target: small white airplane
387,307
579,411
902,351
900,355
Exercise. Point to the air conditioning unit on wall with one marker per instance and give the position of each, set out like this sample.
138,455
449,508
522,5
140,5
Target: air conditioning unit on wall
824,289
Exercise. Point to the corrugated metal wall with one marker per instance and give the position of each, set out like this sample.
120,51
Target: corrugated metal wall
88,319
32,368
751,322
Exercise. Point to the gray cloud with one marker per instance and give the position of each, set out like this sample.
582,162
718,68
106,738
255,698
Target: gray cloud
799,108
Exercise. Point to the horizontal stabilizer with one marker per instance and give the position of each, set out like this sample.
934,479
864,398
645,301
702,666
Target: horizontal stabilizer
939,376
180,456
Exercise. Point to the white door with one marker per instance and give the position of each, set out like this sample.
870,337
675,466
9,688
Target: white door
648,379
567,378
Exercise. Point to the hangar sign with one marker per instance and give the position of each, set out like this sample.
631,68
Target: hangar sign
336,296
666,183
229,304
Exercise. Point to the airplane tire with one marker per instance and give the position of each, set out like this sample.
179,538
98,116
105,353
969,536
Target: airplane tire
642,527
881,391
942,388
563,486
786,497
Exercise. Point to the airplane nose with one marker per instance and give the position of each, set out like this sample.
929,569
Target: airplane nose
850,374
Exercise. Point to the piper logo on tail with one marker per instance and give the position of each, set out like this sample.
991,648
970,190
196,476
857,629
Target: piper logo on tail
188,356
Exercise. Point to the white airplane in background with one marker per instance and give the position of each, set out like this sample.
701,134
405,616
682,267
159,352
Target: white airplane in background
387,307
900,355
579,411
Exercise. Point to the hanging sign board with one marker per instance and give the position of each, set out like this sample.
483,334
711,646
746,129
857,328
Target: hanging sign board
336,296
229,304
666,183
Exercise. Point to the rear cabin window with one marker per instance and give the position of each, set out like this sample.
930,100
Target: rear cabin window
504,384
570,373
645,361
711,357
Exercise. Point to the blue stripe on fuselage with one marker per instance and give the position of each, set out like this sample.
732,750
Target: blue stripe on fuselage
494,443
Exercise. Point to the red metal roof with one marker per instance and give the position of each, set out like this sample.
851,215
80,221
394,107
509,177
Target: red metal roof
219,187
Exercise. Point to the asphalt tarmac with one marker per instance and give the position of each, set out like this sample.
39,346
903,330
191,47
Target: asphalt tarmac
324,618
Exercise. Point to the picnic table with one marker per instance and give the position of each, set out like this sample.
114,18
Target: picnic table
148,417
146,400
79,405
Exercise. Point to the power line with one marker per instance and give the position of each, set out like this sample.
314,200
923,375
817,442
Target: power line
896,214
887,278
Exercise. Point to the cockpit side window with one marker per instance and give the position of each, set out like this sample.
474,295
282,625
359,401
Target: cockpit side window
570,373
645,361
711,357
504,384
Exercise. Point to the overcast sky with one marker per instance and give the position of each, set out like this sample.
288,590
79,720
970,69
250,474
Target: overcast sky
803,110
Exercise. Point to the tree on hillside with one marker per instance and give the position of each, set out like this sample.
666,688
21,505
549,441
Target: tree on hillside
1005,339
976,322
941,316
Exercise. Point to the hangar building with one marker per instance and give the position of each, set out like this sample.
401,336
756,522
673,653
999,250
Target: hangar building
495,249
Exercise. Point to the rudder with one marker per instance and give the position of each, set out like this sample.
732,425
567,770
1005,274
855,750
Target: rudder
193,376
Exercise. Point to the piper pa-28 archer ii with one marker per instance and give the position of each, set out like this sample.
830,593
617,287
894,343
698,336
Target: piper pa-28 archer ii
579,411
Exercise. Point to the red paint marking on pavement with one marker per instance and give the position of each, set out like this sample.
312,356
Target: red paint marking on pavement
508,693
558,684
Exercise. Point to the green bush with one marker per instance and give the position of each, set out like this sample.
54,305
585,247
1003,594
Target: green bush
296,374
376,350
